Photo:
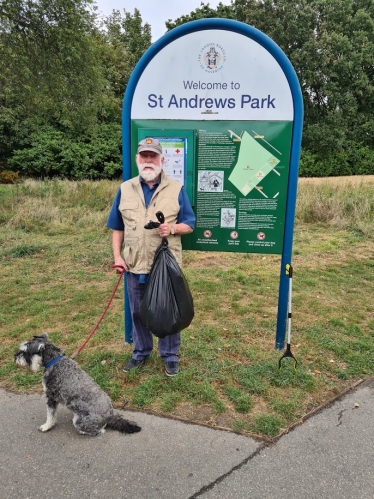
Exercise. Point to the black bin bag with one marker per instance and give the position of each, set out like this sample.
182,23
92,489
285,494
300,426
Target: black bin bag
167,306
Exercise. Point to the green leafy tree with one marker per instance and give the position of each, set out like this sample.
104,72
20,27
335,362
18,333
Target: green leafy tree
62,80
49,67
122,42
331,46
206,12
127,39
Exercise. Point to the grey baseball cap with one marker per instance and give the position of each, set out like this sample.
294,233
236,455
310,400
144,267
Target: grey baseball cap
150,144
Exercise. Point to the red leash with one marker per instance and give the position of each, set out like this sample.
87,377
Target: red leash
120,270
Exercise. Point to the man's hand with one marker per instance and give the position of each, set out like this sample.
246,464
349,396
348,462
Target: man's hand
179,229
121,263
164,230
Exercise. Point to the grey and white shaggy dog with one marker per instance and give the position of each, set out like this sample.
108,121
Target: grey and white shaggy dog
64,382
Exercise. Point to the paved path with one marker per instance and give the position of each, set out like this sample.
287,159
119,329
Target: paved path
330,456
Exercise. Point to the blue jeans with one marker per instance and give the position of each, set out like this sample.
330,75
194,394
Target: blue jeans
142,337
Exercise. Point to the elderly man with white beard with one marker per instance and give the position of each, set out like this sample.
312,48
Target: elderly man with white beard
136,203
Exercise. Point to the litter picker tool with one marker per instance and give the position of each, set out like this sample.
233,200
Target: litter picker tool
288,352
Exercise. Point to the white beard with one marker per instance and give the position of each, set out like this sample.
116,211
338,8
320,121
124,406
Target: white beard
148,176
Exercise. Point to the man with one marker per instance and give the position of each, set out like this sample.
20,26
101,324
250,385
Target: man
136,203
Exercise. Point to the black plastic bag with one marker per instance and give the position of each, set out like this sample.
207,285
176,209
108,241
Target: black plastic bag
167,306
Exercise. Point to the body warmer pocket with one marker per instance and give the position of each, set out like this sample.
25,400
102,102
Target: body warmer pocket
129,211
131,252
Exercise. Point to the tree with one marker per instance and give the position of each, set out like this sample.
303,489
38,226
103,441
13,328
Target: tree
206,12
49,66
62,80
122,42
331,46
128,39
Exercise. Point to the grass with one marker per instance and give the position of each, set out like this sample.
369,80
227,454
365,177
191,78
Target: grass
56,276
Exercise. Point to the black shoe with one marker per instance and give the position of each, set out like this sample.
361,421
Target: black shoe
171,368
132,364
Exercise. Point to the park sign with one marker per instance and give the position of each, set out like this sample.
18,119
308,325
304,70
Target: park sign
225,103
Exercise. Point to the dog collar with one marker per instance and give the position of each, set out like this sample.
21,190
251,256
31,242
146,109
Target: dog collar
53,361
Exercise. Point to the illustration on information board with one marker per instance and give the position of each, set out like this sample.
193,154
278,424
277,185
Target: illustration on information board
228,217
253,165
210,181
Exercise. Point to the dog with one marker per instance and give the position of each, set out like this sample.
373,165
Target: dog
64,382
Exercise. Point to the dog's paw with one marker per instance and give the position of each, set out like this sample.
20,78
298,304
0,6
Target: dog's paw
45,427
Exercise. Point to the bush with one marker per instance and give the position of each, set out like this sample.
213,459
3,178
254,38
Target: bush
355,159
8,177
362,159
312,166
51,153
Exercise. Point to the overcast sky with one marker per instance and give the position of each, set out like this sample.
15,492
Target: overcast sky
155,13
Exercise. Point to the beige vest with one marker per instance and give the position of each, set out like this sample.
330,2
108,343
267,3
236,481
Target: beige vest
140,244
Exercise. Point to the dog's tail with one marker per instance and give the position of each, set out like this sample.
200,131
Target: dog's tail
121,424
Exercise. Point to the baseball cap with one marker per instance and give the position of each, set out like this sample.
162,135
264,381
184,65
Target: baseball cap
150,144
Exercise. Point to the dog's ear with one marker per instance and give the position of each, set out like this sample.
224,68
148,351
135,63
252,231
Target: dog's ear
43,336
41,347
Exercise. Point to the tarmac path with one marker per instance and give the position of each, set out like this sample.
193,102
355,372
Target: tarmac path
329,456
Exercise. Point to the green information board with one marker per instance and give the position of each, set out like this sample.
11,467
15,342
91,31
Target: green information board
237,178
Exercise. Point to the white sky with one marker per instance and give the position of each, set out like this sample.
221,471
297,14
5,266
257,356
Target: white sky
155,13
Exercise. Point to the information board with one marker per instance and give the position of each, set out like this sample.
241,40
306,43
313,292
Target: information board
242,178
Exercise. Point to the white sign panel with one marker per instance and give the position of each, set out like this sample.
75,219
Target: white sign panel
174,152
215,75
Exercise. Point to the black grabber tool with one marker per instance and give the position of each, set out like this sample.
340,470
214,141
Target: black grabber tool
288,352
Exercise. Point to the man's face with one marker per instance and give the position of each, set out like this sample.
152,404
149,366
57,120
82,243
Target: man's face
149,164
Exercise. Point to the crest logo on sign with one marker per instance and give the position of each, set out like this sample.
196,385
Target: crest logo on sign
212,57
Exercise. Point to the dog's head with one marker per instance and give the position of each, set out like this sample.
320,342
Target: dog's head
30,353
